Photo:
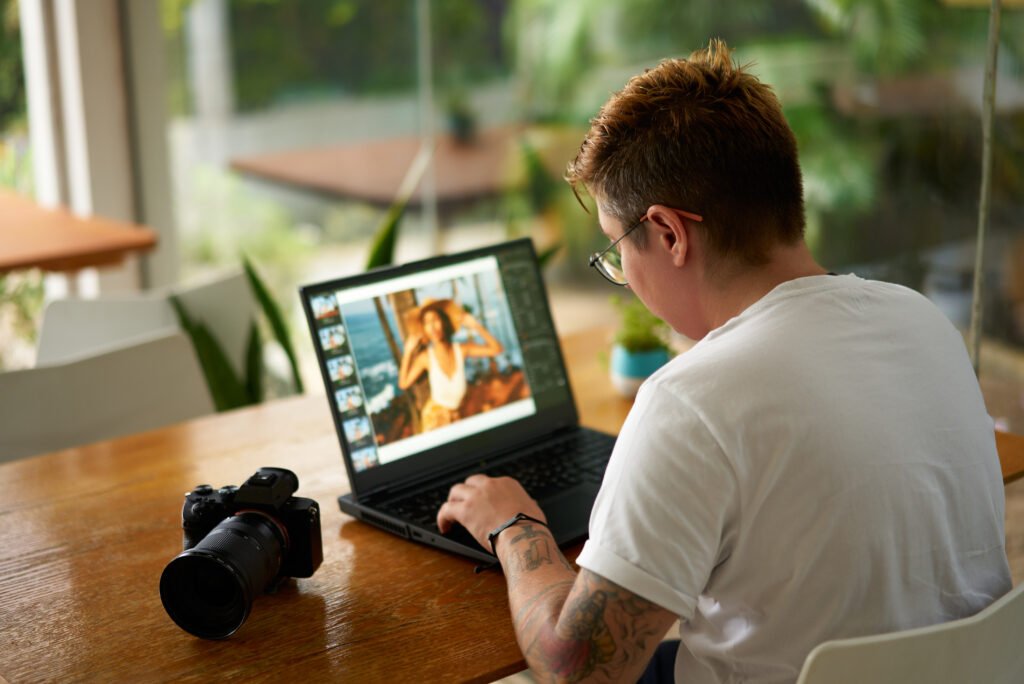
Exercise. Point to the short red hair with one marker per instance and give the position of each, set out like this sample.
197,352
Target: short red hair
702,135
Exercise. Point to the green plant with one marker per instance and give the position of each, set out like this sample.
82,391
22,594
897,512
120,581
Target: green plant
460,116
382,251
276,320
536,196
12,82
225,218
21,304
227,389
639,329
294,51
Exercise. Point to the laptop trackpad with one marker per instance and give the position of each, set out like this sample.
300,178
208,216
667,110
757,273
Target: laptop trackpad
569,513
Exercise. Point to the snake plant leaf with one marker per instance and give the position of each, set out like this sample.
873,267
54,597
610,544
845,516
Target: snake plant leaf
548,254
226,389
382,251
275,318
541,185
254,365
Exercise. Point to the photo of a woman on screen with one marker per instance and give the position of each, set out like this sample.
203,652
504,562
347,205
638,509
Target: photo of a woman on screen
437,358
430,350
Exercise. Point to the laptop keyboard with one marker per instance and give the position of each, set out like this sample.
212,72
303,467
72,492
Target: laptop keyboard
549,469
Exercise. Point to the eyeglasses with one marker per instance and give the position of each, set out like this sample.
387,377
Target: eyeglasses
608,261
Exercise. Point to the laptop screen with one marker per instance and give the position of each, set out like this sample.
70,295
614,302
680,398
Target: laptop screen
439,363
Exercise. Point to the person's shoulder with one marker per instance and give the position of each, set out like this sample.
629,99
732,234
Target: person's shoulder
882,287
816,298
703,371
853,284
902,301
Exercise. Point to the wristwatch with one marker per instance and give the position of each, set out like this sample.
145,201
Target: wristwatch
492,536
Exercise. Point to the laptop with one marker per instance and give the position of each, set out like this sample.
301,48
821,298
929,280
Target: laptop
446,367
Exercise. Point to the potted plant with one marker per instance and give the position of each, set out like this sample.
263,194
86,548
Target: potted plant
639,348
228,389
461,118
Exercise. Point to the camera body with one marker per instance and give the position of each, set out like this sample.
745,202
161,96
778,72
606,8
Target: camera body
239,542
268,492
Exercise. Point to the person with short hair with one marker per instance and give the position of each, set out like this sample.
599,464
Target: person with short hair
819,465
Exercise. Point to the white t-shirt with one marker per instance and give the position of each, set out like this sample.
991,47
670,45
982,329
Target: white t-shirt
821,466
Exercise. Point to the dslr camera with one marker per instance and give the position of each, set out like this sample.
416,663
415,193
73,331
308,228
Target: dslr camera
239,542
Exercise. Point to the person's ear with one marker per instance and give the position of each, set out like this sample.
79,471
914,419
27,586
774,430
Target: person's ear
671,232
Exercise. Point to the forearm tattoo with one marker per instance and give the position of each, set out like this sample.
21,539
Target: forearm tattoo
532,548
602,631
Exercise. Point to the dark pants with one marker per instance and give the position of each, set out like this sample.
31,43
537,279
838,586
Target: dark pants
661,669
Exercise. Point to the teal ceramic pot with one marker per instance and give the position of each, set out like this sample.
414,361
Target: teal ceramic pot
630,369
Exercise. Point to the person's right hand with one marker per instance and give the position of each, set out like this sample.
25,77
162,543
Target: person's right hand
481,503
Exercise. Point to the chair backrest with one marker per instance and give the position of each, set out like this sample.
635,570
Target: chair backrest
72,327
986,647
78,327
143,385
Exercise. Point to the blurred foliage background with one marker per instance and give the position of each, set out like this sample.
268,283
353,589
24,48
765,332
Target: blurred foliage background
883,95
12,83
21,294
867,168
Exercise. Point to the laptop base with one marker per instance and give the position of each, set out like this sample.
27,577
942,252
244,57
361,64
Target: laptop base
568,514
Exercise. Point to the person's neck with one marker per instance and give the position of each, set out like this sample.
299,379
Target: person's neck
733,294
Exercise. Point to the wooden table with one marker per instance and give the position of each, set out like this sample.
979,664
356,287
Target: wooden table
1011,455
373,171
86,533
57,240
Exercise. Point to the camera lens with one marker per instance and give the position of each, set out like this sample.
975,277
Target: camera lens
208,590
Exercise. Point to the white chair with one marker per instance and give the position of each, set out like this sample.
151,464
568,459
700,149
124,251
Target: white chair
72,327
142,385
987,647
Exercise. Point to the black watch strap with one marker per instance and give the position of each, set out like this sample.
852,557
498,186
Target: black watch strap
492,536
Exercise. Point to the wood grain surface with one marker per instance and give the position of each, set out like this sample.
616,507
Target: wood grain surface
1011,455
57,240
86,532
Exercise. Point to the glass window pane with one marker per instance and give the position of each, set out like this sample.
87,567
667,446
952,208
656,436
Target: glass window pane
884,99
21,293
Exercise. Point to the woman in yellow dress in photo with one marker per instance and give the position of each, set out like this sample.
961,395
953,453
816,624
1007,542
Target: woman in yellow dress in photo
432,351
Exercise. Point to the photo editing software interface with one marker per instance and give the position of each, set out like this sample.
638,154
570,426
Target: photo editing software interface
423,359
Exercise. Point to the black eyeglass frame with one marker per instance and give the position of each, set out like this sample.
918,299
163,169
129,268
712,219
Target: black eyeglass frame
597,258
